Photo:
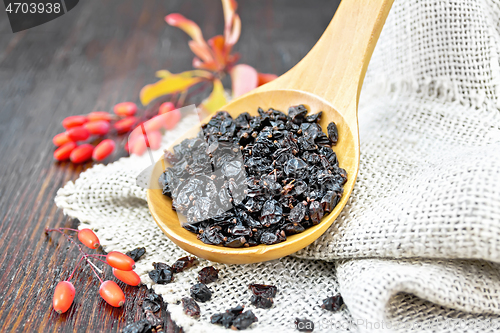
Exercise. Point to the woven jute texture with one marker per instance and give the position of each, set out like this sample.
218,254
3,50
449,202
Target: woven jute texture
418,245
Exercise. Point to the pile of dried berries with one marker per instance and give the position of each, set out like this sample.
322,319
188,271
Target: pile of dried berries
234,318
122,264
255,180
262,295
163,273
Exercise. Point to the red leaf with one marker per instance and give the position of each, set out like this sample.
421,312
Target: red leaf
189,27
264,78
217,45
244,78
201,50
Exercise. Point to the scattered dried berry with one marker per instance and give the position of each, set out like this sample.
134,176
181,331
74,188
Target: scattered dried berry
162,274
304,325
141,326
137,253
333,303
254,179
244,320
200,292
190,307
226,318
261,302
184,263
208,274
263,290
152,302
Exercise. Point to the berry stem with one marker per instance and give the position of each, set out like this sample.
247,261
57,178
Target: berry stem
69,229
92,268
83,253
74,270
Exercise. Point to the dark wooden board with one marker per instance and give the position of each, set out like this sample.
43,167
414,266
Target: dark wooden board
100,53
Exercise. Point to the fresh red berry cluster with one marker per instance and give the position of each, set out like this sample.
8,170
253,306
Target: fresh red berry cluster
92,136
122,265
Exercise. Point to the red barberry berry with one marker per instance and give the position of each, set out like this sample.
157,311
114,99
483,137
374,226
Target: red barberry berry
98,127
88,238
74,121
62,153
129,277
171,119
78,133
125,109
137,145
112,293
154,124
81,153
64,294
154,139
100,115
166,107
120,261
61,139
124,125
103,149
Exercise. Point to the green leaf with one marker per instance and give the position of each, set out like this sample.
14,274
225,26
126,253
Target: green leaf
172,83
217,98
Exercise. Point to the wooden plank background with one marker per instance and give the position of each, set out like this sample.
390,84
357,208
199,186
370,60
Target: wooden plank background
100,53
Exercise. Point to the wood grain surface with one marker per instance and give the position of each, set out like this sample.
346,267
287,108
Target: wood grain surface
100,53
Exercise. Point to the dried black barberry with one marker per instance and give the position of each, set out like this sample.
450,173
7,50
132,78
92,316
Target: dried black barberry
264,290
234,318
304,325
137,253
141,326
333,133
208,274
162,274
152,302
333,303
255,179
261,302
226,318
184,263
244,320
200,292
190,307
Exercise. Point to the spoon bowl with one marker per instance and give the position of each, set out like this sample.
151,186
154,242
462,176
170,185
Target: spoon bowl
328,79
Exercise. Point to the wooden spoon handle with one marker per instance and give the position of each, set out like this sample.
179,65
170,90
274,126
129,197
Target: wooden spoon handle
335,68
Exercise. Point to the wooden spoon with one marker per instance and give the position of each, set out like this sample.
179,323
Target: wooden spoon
328,79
